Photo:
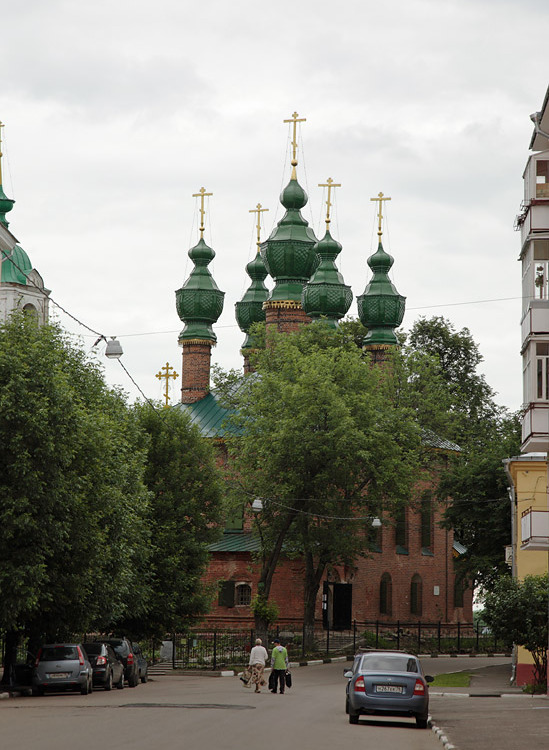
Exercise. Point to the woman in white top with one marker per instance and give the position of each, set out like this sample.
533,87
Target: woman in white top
256,665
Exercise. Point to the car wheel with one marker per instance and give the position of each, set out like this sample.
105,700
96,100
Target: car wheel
120,683
346,705
145,677
353,718
421,723
133,681
37,691
108,683
85,689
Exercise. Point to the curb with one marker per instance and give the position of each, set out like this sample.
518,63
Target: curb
446,743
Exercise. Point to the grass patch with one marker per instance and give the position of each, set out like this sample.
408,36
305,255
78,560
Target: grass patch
452,679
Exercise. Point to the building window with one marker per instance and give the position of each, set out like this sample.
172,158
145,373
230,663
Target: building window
416,595
401,531
459,590
542,178
226,596
243,596
386,595
542,372
427,521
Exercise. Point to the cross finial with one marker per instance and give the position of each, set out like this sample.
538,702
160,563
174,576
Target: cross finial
380,198
330,184
295,119
258,210
165,375
202,194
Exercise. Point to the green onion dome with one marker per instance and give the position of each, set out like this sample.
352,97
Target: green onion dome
6,204
15,272
249,309
381,307
199,302
289,253
326,295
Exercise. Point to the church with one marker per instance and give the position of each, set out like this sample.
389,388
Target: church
21,286
409,577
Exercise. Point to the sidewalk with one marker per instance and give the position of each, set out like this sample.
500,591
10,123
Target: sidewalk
489,713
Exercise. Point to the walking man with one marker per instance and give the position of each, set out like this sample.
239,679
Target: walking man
279,665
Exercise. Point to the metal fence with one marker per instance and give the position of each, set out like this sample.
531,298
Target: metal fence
223,648
219,648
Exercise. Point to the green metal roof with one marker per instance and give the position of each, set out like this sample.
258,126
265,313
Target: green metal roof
207,414
430,438
236,541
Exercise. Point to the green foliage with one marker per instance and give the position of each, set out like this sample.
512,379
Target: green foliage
319,439
73,534
185,507
474,480
516,611
265,609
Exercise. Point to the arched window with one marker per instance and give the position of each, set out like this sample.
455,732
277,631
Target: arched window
386,595
401,531
427,522
243,595
459,589
416,595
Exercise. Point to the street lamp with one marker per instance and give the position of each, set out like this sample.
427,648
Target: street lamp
114,349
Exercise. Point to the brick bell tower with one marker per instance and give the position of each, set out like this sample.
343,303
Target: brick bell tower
289,254
199,304
380,307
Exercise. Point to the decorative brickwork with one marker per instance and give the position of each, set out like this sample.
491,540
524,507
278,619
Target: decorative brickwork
195,370
285,317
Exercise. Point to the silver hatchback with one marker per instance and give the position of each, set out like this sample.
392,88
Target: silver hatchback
388,683
62,666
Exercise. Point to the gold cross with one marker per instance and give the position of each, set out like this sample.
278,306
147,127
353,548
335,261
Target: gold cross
258,210
380,198
165,374
330,184
295,119
201,194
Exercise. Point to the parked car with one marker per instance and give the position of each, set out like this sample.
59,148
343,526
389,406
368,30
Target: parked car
142,663
62,666
390,683
108,669
123,648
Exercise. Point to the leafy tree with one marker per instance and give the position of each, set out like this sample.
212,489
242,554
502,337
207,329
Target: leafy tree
185,506
475,480
73,537
516,611
319,440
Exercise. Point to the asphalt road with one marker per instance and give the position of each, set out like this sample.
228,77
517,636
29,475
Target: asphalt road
198,713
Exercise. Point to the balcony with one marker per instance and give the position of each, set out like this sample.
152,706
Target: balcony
535,530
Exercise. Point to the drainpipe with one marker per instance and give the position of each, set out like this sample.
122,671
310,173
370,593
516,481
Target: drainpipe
512,499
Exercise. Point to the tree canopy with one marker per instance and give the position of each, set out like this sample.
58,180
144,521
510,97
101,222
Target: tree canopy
516,611
106,510
73,534
475,481
319,441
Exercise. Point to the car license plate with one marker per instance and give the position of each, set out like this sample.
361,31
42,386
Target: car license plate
58,675
389,689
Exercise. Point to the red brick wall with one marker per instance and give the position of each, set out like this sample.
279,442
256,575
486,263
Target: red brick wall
195,370
287,588
285,319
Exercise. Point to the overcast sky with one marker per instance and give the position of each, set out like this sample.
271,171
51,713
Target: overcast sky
117,111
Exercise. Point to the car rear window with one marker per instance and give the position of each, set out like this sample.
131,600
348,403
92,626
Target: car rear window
388,663
93,648
59,653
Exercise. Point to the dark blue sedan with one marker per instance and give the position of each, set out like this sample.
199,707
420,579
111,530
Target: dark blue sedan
388,683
